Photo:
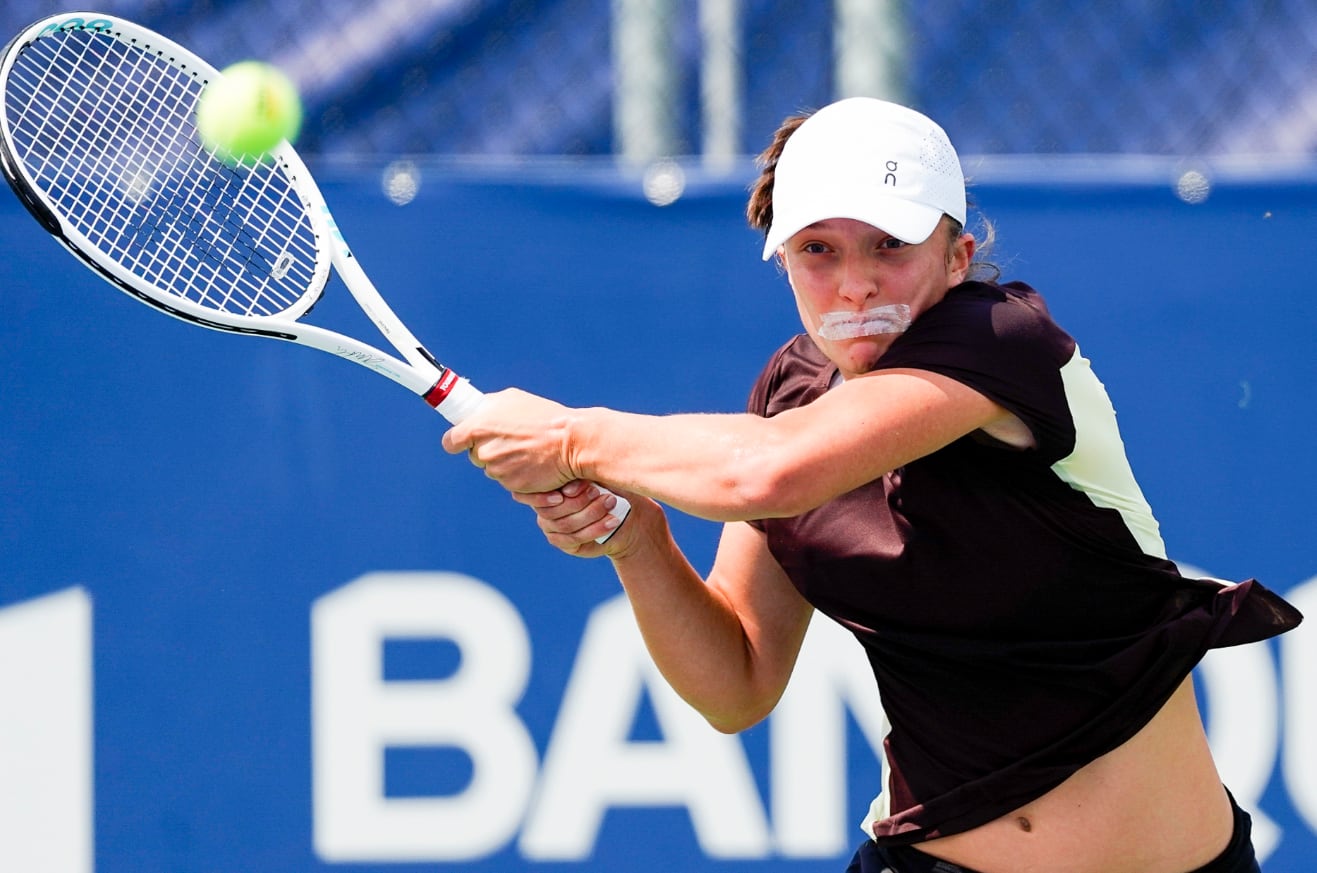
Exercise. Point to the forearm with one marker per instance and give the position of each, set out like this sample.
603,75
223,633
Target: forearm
718,467
692,630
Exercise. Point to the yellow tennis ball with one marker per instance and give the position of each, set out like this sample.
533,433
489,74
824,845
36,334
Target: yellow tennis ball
248,111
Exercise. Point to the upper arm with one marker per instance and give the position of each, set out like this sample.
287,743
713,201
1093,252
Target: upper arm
773,614
867,427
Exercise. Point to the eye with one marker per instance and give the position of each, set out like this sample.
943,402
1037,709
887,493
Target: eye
892,242
814,248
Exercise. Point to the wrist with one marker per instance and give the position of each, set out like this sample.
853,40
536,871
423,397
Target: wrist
579,443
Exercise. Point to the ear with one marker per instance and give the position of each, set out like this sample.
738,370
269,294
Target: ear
960,257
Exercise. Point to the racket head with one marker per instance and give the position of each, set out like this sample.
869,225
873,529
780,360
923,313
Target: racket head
98,139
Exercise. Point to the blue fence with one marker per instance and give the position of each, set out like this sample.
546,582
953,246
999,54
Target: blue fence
517,78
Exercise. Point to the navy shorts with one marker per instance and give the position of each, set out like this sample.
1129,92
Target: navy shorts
1238,856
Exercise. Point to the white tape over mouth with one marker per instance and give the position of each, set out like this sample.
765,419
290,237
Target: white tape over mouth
886,319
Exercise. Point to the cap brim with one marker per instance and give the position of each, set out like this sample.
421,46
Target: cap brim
909,222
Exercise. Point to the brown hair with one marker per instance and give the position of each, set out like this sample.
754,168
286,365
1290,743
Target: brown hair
759,209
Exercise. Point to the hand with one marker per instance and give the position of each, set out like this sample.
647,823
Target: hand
518,439
575,516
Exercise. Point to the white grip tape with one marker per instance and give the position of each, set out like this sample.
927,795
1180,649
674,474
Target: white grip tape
464,399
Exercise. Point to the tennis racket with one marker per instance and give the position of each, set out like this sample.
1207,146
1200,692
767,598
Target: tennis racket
97,139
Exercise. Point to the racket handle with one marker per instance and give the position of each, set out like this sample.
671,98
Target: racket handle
464,399
461,401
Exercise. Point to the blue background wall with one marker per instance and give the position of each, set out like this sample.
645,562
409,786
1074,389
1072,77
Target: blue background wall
206,490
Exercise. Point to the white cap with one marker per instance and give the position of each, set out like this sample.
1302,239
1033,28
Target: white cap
869,160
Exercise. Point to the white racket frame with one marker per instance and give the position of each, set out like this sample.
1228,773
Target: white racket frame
452,396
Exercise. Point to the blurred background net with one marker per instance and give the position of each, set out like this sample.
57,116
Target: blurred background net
707,81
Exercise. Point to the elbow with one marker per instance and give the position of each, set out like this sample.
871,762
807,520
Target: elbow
772,489
735,723
736,713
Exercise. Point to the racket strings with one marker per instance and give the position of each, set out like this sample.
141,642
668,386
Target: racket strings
106,131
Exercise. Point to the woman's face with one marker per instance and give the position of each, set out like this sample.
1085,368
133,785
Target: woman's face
857,287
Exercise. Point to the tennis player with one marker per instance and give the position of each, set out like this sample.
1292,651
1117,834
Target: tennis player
934,465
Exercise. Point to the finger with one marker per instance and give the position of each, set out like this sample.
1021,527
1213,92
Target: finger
573,497
575,547
539,499
580,515
579,542
550,505
575,487
454,443
563,511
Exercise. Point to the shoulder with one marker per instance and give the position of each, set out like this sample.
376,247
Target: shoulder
1001,341
795,375
980,318
1021,315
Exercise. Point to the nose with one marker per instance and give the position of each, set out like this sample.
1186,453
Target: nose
856,282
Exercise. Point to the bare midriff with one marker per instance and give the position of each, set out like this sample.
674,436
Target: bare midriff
1153,805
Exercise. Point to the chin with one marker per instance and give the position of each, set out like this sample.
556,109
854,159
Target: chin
861,355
